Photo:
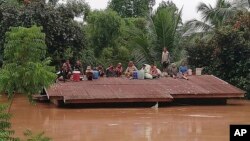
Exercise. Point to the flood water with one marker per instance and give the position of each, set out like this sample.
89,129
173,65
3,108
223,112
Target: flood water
171,123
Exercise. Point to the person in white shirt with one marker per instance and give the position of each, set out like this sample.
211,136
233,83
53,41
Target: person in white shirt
165,60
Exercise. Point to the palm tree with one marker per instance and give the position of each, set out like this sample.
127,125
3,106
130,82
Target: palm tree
161,32
213,17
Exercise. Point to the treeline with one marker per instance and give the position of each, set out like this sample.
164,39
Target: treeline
132,30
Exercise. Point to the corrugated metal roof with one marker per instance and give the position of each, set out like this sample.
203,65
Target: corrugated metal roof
126,90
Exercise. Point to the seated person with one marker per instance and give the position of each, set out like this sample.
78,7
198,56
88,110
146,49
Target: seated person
89,73
146,69
110,71
130,69
173,70
65,71
78,66
118,70
154,71
101,70
183,70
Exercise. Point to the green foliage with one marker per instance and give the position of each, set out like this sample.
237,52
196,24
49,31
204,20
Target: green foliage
161,31
114,56
132,8
143,46
37,137
166,22
58,24
88,57
26,68
214,17
226,55
103,29
5,126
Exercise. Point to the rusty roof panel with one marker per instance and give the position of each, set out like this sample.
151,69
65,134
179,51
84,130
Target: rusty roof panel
162,88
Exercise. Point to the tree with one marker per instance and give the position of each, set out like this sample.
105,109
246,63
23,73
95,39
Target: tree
25,69
166,21
132,8
161,32
103,28
226,54
213,17
62,31
5,126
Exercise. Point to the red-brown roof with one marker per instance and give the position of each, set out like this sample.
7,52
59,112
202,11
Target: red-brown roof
125,90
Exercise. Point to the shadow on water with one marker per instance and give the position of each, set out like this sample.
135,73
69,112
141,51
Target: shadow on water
177,102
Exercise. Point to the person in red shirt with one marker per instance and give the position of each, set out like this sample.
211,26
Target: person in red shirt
118,69
154,72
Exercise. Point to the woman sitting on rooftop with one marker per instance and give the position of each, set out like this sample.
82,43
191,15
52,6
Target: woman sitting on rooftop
154,71
118,69
130,69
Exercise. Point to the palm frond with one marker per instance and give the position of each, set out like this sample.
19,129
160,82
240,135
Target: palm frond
166,22
197,26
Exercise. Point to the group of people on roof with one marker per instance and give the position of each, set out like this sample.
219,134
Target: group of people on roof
147,71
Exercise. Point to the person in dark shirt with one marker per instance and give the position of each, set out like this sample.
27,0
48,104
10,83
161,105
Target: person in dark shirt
118,69
89,73
78,66
65,71
101,70
110,71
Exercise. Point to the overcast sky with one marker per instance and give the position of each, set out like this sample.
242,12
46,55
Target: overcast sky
189,6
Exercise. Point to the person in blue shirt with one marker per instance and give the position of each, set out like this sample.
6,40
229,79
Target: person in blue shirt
183,70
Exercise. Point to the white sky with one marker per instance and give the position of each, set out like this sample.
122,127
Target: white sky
189,6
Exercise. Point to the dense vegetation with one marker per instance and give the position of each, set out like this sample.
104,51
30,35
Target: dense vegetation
38,34
134,31
26,68
223,49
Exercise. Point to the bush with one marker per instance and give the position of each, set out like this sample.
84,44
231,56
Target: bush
25,69
226,55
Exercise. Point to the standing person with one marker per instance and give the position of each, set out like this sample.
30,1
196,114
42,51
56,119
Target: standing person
118,69
165,60
130,69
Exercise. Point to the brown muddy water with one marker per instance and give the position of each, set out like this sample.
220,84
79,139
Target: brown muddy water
170,123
